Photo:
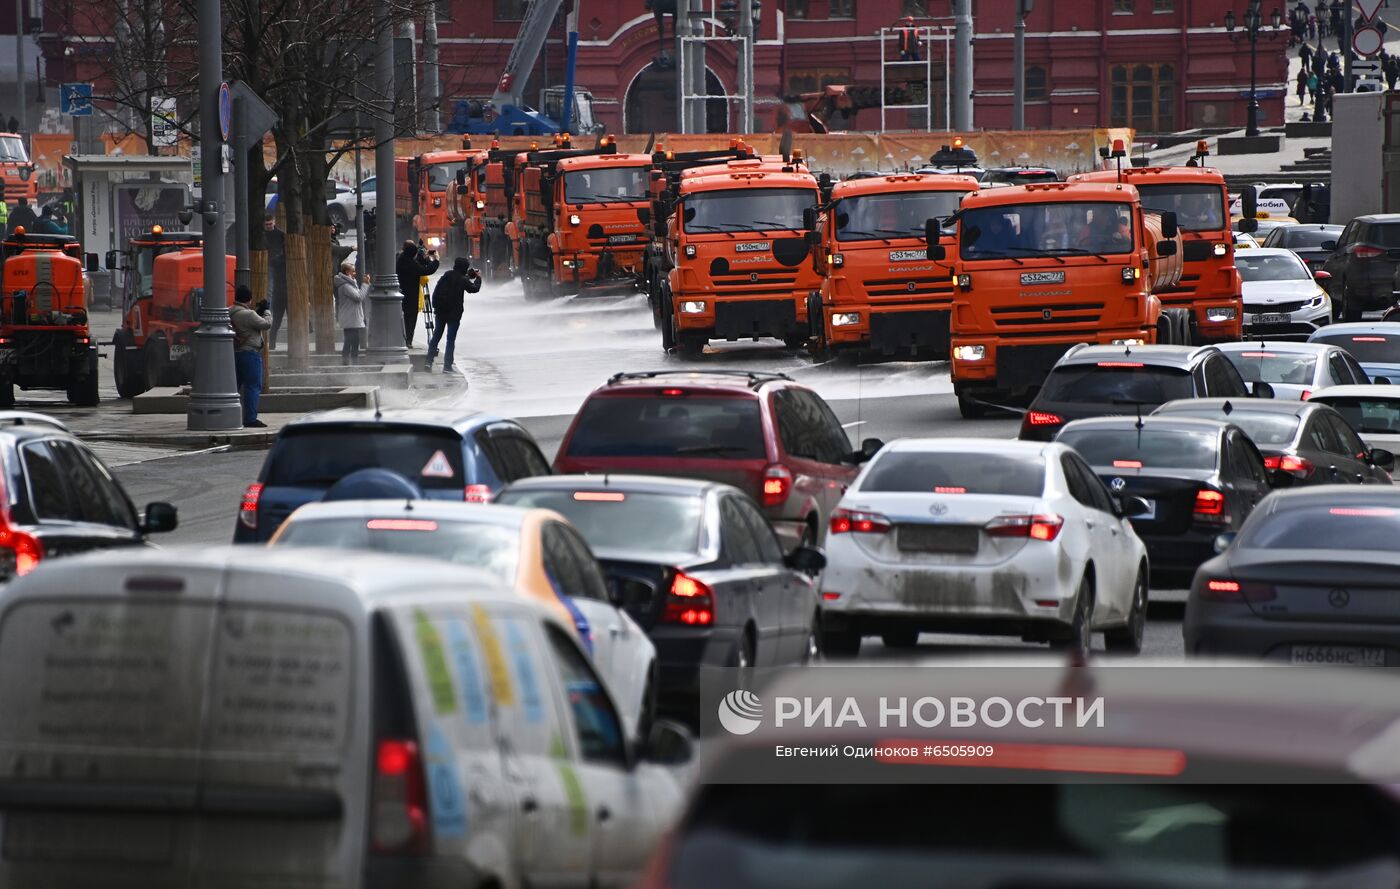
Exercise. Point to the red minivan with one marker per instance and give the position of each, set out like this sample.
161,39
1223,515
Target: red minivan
761,432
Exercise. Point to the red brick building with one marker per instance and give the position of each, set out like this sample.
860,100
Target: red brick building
1157,65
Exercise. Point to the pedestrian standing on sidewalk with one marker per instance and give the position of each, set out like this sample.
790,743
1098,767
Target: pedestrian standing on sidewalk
350,311
1312,86
1305,56
413,266
1302,86
449,299
248,327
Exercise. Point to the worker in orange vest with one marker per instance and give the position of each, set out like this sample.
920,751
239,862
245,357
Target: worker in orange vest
908,40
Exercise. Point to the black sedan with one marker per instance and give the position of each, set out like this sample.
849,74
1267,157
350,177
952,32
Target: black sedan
1198,477
1310,579
1311,442
1312,243
697,566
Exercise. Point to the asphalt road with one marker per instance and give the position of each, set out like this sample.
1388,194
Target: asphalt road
537,362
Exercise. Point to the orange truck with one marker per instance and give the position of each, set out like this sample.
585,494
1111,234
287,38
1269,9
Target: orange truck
879,290
16,170
486,186
154,346
1042,267
421,198
577,225
1210,285
45,342
742,258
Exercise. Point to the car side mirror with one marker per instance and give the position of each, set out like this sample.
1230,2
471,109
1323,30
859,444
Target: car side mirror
868,449
1261,389
809,219
1320,275
807,559
1166,248
668,743
1170,228
1223,541
1328,245
160,517
1133,507
1382,458
1279,478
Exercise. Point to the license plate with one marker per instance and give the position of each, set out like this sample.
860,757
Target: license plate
1339,655
961,539
1268,319
1042,277
621,239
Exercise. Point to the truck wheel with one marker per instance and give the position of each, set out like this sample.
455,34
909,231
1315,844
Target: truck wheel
83,391
131,378
692,345
970,409
654,299
157,361
817,345
1165,328
796,339
1183,326
668,323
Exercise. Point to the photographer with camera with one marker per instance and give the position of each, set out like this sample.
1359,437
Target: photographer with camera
415,263
449,298
248,327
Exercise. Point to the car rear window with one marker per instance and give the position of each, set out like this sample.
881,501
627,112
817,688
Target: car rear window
1274,367
493,548
320,456
1148,449
1383,234
669,426
947,473
1339,524
1367,348
1262,429
1305,238
1374,415
615,520
1115,382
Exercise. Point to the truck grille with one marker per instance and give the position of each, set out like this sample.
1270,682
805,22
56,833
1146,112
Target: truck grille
900,288
755,281
1070,314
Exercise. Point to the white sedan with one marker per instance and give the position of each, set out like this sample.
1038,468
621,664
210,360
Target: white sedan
987,537
1282,298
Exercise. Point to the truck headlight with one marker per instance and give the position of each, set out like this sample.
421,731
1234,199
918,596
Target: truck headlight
434,243
964,282
689,251
845,319
1131,273
568,263
838,260
481,205
969,353
693,307
573,219
1220,314
1221,249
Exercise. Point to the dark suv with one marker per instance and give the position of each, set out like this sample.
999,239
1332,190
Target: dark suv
775,440
436,455
1362,265
1105,381
60,500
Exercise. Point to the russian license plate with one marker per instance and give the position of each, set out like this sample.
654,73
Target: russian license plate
961,539
1042,277
1339,655
621,239
1272,318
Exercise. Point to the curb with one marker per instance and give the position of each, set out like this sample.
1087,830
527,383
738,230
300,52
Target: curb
260,439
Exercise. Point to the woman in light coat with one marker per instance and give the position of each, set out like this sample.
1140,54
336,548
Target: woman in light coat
350,311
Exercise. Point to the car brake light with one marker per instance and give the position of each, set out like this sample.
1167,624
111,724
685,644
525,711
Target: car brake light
1299,466
600,496
848,521
689,602
248,508
1041,418
1120,364
401,525
400,800
1127,464
1036,527
20,553
672,393
777,485
944,489
1226,590
477,494
1307,393
1368,339
1368,512
831,597
1364,251
1210,505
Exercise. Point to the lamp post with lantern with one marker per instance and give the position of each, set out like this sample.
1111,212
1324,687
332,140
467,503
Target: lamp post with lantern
1253,22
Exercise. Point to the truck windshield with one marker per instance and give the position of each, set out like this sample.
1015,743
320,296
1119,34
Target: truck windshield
748,209
605,186
1049,229
439,175
12,149
896,215
1198,208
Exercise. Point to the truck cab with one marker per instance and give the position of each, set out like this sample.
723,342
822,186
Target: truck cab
45,342
598,237
424,202
17,177
879,290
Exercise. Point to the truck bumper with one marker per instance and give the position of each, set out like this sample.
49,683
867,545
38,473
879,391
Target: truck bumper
916,330
1018,367
735,318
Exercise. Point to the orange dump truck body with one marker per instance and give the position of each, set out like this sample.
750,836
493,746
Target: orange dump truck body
44,337
1210,285
1043,267
879,289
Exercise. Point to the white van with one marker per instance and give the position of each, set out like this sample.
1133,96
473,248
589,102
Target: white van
237,718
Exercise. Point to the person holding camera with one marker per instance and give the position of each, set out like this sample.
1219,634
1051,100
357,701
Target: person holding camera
350,297
449,298
248,326
413,266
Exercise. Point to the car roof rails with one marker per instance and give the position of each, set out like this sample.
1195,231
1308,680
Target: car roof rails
756,378
30,418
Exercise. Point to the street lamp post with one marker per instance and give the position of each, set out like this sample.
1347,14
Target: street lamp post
1253,21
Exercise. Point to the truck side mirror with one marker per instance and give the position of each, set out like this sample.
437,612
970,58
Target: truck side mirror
932,228
461,177
111,259
1170,229
809,219
1166,248
936,252
1249,206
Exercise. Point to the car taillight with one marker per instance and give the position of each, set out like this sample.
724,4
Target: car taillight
248,508
1224,589
400,820
20,553
1210,506
847,521
777,485
1036,527
1365,251
477,494
1041,418
689,602
1302,467
1307,393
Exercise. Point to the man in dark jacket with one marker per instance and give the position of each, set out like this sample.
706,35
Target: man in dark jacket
414,264
449,298
23,215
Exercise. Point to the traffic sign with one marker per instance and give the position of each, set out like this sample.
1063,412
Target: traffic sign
1366,66
1367,41
75,99
165,129
225,110
1368,8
